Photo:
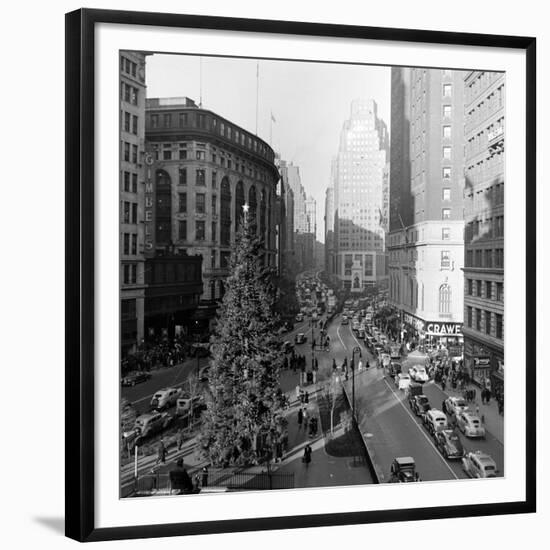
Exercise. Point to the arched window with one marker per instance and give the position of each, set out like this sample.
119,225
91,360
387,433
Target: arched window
445,299
163,207
239,202
225,212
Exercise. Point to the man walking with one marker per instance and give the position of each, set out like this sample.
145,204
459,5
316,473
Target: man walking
161,456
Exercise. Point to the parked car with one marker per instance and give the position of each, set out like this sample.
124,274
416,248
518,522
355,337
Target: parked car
402,381
133,378
403,470
419,404
435,420
300,338
470,424
478,464
151,423
454,406
186,403
449,444
418,373
345,320
165,398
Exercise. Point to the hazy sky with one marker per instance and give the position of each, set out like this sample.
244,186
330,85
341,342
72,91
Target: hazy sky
309,101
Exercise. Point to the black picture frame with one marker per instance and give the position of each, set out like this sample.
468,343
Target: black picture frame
80,352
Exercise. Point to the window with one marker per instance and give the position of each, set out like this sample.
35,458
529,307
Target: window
126,152
470,287
214,205
126,179
200,155
469,316
488,258
134,154
134,96
182,230
214,175
126,212
499,258
182,176
446,172
499,333
199,177
130,274
478,320
487,322
447,111
214,231
447,153
183,119
154,121
447,90
445,233
134,183
447,132
446,194
199,230
445,259
445,299
134,124
200,203
127,122
126,246
166,153
500,292
479,291
446,214
134,244
167,119
488,290
183,202
183,154
133,218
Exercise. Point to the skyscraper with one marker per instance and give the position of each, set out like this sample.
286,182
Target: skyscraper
426,246
360,180
484,227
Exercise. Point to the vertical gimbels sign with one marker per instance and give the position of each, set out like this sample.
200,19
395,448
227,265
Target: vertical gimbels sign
149,210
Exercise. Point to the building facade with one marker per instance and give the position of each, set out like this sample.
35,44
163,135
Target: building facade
204,169
286,195
425,243
330,256
131,238
484,227
360,181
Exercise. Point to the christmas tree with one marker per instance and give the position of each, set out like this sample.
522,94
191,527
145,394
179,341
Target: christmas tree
244,395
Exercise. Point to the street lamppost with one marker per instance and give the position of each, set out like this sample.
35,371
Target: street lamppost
356,349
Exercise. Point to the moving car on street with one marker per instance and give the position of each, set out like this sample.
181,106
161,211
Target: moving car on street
419,404
403,470
470,424
300,338
151,423
478,464
454,406
434,421
186,403
418,373
133,378
449,444
402,381
165,398
345,320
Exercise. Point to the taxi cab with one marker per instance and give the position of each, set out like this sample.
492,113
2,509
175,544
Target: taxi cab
478,464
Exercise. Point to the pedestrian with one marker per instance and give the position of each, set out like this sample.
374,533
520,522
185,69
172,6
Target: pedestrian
443,384
180,439
300,418
180,481
161,456
204,477
333,365
307,455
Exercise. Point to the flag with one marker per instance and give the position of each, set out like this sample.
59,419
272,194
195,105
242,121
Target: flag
272,117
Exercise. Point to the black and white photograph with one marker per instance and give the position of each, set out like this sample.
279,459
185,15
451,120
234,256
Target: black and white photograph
311,263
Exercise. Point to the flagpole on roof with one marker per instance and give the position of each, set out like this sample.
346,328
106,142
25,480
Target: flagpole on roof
257,92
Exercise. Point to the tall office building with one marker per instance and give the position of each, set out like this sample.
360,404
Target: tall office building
360,181
287,195
330,257
425,244
484,227
132,141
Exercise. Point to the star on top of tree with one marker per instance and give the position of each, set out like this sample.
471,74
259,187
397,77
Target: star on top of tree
245,208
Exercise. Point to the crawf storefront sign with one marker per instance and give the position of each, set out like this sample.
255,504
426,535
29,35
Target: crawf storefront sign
444,329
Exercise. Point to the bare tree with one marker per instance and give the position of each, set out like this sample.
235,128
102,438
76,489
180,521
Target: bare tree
331,395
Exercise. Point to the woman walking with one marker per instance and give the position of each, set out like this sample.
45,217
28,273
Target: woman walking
306,459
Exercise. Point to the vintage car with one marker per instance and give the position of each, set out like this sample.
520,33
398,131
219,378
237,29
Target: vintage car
150,423
186,404
419,404
403,470
402,381
300,338
449,444
299,317
345,320
478,464
418,373
395,368
435,420
133,378
454,406
165,398
470,424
